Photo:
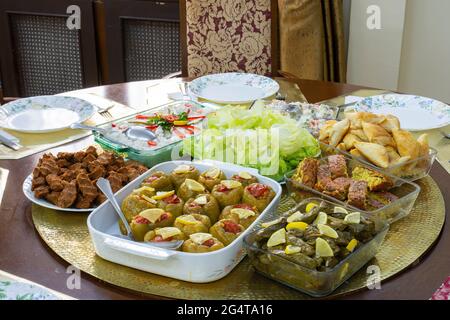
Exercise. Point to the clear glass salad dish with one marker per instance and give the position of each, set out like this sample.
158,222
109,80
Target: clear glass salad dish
171,123
311,281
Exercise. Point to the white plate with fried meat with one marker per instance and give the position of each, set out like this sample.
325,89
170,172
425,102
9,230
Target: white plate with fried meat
67,181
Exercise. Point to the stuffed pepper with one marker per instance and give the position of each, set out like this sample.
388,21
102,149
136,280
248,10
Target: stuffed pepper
226,231
192,223
228,192
242,213
148,220
158,181
183,172
211,177
258,195
204,204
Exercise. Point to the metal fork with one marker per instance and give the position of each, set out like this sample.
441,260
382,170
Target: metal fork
105,113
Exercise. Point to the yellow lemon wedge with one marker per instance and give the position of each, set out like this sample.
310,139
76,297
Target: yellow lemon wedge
278,237
352,245
152,215
200,238
213,173
144,189
340,210
297,225
242,213
296,216
167,232
353,218
323,249
180,122
231,184
194,185
270,223
321,218
201,200
292,249
245,175
187,220
152,201
327,231
184,168
163,194
310,206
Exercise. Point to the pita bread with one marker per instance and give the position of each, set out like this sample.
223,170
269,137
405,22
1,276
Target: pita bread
325,131
377,134
377,154
338,132
390,123
360,134
406,144
350,140
424,147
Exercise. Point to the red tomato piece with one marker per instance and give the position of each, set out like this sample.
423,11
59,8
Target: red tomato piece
141,220
257,190
208,243
231,227
173,199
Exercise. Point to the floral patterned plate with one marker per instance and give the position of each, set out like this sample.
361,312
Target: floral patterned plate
44,113
233,87
415,113
12,290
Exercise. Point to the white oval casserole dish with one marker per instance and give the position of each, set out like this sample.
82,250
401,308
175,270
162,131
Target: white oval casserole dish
192,267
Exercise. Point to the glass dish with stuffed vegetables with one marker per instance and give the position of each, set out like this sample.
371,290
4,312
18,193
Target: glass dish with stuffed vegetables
315,246
349,181
210,207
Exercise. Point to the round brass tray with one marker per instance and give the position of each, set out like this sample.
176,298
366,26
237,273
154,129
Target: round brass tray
407,240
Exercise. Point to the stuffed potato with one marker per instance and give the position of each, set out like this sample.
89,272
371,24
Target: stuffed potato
258,195
228,192
183,172
244,178
204,204
164,234
148,220
158,181
211,177
226,231
192,223
243,214
201,243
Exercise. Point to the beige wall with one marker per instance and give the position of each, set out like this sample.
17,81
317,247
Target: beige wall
425,62
411,52
374,55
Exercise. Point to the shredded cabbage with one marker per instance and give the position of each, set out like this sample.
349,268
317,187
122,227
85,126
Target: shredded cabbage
259,138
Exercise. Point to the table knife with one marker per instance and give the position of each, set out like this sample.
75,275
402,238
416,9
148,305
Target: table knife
9,140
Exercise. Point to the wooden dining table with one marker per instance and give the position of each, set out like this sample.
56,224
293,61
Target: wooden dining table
24,254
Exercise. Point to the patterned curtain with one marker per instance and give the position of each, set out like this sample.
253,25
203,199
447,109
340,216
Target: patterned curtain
312,44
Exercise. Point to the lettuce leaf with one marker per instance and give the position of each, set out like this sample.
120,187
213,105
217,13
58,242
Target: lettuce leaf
258,138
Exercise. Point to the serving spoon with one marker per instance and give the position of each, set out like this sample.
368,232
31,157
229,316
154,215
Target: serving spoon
104,185
133,132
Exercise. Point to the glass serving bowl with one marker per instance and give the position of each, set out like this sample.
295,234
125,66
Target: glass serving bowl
313,282
411,170
406,191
